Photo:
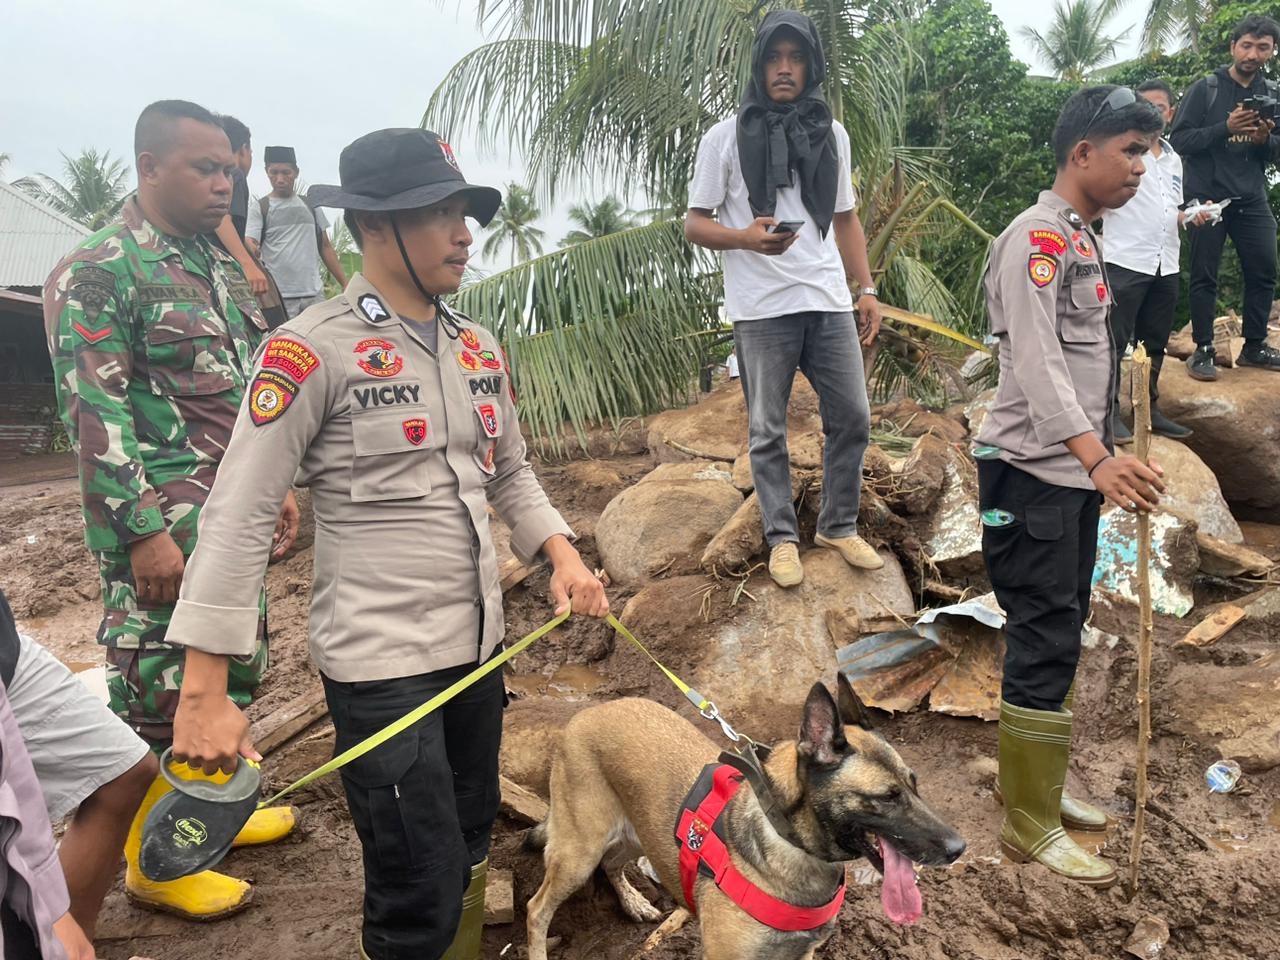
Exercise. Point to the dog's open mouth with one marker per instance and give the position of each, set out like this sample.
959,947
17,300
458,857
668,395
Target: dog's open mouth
899,894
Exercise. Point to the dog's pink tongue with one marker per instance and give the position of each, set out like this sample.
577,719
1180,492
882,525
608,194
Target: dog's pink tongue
899,894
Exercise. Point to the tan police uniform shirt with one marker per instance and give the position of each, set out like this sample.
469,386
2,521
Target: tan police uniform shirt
404,450
1049,306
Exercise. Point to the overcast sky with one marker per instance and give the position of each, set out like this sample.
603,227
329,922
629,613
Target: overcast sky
75,73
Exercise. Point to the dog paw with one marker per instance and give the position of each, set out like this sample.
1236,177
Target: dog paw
641,910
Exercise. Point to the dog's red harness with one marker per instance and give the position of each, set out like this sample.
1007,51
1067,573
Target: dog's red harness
702,850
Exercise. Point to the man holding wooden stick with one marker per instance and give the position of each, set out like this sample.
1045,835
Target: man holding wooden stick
1045,460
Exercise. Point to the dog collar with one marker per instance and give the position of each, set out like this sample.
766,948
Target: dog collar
699,836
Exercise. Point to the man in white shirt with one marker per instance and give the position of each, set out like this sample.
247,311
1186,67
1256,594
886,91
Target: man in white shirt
290,236
1140,248
772,189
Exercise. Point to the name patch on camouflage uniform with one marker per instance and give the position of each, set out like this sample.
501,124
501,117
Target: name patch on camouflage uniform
270,396
290,356
1042,268
168,292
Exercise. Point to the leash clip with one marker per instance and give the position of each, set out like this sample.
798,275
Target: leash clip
712,712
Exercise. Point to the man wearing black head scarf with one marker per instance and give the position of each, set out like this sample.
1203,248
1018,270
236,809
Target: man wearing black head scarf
772,188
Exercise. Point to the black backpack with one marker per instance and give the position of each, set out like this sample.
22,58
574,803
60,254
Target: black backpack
264,205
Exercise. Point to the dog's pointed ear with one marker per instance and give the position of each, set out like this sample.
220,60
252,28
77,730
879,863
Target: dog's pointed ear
852,709
821,732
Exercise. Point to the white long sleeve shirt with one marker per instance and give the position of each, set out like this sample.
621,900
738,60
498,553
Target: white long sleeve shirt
1143,234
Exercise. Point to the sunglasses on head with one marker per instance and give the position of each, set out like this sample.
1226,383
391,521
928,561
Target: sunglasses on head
1117,99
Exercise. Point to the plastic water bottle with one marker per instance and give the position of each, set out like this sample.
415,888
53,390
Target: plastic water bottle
1223,776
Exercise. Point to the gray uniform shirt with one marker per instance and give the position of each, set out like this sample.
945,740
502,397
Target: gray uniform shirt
404,449
1049,307
290,249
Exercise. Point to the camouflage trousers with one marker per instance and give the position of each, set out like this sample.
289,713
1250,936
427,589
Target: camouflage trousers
144,673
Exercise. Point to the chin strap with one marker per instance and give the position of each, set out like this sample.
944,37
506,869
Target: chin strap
452,328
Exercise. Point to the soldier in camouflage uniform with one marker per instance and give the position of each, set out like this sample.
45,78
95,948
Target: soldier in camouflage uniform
152,331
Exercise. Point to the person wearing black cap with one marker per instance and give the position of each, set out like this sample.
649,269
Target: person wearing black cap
288,233
398,413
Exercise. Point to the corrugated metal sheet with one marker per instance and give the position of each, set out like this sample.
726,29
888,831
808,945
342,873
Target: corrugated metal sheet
33,238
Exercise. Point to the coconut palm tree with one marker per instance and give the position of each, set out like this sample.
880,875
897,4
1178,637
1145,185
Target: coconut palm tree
92,193
1175,23
622,91
1077,42
598,220
513,225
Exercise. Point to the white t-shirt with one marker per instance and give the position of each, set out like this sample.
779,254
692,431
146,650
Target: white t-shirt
291,248
1143,234
810,275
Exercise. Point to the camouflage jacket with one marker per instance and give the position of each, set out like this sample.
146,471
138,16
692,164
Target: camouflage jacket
152,339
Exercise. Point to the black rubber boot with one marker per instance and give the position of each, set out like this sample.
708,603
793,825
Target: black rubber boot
1119,432
1200,364
1259,355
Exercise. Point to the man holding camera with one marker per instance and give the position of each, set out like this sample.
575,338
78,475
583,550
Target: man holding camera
1225,134
777,178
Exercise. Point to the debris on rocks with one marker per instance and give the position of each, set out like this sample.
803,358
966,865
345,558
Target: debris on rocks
1148,939
1174,553
1213,627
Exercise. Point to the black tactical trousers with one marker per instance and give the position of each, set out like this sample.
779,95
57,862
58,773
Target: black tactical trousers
1252,228
423,803
1142,312
1041,566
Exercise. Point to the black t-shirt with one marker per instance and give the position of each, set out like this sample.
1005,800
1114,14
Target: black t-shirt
8,642
239,201
1216,163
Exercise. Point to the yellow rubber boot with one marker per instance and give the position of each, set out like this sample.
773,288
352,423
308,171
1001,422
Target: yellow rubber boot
265,826
468,940
202,896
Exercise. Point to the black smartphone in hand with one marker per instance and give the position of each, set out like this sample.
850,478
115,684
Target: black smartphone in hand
784,226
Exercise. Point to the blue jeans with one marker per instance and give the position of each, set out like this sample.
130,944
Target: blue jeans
824,347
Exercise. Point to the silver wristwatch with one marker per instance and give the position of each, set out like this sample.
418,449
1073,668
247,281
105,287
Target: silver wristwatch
868,292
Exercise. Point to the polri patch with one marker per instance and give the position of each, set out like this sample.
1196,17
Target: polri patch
270,396
1082,245
372,308
1049,241
415,430
489,386
469,339
1042,268
488,419
377,357
468,361
297,361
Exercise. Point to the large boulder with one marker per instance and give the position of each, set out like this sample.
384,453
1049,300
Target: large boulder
1237,429
716,427
954,540
912,420
758,657
1192,491
663,523
738,540
1236,708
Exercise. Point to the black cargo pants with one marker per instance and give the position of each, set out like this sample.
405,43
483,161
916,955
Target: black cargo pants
423,803
1041,566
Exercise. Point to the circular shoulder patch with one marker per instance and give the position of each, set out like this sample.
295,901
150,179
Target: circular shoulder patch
1042,268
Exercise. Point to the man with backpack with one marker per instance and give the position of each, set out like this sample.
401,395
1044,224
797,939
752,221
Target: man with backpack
1224,132
289,235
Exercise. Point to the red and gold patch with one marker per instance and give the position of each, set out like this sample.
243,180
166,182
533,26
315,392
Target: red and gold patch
297,361
1102,291
1049,241
469,339
269,397
488,460
90,336
1042,268
415,430
489,360
468,361
377,357
1082,245
488,419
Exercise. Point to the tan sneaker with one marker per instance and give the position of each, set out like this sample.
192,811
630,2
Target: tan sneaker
856,551
784,565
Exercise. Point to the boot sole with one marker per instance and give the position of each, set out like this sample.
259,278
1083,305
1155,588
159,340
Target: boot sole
877,565
1200,376
1257,366
145,904
1070,823
1017,856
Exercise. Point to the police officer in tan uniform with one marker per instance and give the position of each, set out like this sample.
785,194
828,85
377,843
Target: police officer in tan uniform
1045,460
398,414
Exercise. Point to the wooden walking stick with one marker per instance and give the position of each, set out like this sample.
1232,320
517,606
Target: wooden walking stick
1142,447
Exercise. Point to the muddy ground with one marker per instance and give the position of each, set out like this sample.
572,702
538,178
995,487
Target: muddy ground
1210,861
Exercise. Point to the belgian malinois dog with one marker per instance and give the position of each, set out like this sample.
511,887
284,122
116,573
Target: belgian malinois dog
623,769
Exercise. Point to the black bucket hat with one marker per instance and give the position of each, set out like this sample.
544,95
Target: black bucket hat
401,169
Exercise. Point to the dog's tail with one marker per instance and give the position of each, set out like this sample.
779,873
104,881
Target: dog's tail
535,838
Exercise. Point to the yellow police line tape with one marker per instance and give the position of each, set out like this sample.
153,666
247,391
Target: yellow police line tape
704,706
